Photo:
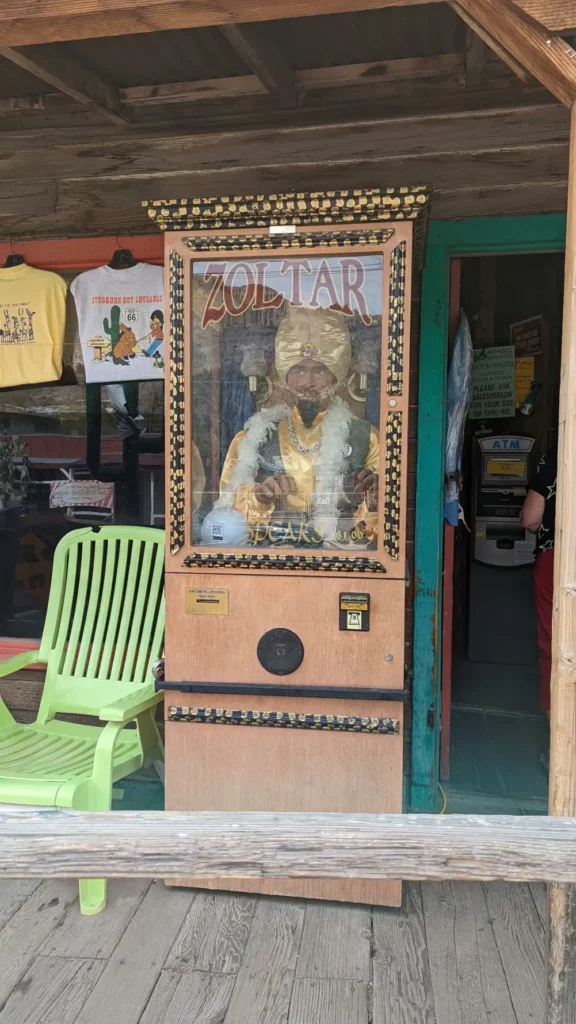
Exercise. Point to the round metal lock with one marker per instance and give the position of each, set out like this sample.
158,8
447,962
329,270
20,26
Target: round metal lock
280,651
392,403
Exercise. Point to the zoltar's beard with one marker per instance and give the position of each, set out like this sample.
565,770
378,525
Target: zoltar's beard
309,403
309,409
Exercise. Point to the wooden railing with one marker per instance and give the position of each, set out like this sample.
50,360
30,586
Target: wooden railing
61,844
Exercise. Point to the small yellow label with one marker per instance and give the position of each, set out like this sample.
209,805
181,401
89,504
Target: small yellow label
353,603
207,601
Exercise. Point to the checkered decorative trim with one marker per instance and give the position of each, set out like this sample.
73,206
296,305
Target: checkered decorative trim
392,481
308,563
396,304
284,720
176,428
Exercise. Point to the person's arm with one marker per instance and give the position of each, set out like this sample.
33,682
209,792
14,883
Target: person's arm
534,505
532,512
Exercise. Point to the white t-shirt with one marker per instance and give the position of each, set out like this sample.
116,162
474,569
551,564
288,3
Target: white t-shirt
121,323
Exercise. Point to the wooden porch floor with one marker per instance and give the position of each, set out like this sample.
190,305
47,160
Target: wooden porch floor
454,954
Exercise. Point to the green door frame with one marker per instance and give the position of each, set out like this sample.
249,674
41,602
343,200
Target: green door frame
447,239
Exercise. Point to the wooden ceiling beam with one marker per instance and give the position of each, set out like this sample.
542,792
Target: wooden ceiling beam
488,38
54,65
256,47
342,75
556,16
548,58
25,22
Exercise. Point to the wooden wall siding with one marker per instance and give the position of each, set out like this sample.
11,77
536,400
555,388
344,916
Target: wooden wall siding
90,181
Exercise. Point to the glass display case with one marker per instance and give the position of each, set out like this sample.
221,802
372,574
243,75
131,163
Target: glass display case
285,359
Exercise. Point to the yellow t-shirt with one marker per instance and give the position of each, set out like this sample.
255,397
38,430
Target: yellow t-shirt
32,321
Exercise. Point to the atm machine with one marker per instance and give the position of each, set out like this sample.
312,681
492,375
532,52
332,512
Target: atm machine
501,609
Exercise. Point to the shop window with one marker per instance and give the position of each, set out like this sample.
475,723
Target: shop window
49,481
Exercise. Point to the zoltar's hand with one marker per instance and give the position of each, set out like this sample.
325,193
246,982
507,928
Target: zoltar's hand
275,489
366,484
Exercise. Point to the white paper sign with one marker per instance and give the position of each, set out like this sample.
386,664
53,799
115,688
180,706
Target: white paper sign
74,493
493,383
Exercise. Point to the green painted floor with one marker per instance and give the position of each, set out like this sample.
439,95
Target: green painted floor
498,734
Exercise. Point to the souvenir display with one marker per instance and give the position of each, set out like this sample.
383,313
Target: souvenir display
286,569
121,322
32,321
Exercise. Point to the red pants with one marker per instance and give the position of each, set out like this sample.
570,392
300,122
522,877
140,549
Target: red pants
543,593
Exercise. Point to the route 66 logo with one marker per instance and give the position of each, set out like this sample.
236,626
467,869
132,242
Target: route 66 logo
131,315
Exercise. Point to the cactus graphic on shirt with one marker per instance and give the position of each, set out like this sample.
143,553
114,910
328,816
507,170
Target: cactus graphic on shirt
112,326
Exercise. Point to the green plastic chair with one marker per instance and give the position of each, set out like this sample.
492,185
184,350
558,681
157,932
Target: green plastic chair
104,630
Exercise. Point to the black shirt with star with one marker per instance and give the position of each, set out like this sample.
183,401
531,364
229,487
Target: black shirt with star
544,483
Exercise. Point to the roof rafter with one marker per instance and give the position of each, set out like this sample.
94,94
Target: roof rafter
54,65
489,40
549,59
258,50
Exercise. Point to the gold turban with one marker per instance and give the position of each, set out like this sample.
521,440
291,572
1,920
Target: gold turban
320,334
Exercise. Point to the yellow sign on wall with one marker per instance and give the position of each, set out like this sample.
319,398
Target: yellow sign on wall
523,377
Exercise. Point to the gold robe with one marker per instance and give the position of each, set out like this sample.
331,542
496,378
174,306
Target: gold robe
300,466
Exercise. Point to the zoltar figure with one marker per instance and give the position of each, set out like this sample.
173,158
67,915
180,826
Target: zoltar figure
305,473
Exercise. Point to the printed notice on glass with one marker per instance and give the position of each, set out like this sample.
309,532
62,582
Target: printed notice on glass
79,493
493,393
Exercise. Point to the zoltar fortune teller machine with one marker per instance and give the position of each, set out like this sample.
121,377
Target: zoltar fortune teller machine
287,410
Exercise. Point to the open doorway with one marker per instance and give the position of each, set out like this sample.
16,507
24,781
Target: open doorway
495,737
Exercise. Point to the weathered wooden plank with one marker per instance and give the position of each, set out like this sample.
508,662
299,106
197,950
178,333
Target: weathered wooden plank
22,936
40,196
468,982
124,987
185,998
476,60
97,936
60,844
317,1001
13,893
402,987
264,982
335,943
159,155
562,898
314,78
52,991
507,166
214,934
46,21
539,896
59,68
500,200
521,943
90,204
